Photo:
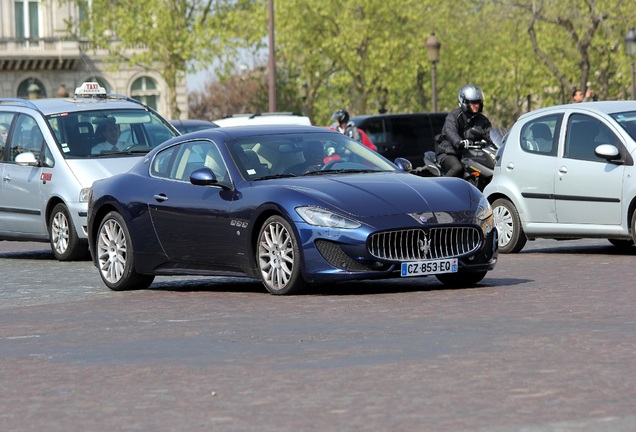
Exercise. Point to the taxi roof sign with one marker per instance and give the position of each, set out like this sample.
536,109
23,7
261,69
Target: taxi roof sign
90,89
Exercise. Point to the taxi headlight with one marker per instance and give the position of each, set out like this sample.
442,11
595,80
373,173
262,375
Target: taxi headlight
325,218
84,194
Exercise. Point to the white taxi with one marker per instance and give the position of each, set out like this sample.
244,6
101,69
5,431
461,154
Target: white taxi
51,152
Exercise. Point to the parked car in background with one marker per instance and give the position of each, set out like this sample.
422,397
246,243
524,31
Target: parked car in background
192,125
51,152
260,201
276,118
402,135
567,172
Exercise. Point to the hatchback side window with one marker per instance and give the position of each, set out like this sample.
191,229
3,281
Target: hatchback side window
584,134
541,136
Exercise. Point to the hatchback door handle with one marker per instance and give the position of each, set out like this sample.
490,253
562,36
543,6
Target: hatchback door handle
161,197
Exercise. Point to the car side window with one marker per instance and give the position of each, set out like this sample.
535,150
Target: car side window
180,161
6,118
584,134
541,136
26,137
375,129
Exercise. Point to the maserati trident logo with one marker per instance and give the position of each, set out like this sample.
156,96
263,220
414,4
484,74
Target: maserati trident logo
425,246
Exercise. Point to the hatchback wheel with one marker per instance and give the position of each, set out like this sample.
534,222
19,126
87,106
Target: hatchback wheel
511,236
65,242
115,256
278,257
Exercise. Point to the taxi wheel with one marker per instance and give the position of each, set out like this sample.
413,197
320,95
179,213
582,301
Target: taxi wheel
115,257
278,257
510,233
65,242
461,280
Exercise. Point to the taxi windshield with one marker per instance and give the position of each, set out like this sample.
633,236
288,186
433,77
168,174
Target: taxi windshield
105,132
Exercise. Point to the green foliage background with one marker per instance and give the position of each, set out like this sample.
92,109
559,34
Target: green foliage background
343,53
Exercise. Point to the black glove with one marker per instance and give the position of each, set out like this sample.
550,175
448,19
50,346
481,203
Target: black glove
464,143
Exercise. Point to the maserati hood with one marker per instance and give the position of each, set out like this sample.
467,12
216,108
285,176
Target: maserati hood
388,194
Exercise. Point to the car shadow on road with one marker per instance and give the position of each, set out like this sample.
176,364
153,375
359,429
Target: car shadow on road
366,287
43,255
572,248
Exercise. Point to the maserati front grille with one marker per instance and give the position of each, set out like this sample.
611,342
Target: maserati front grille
420,244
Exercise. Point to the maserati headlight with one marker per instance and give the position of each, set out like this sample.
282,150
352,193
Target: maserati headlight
484,211
325,218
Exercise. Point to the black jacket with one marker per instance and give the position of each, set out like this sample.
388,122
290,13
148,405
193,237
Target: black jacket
455,126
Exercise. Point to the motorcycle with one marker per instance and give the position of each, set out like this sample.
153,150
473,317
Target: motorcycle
478,158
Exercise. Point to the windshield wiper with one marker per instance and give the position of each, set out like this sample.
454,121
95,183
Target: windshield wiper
341,171
274,176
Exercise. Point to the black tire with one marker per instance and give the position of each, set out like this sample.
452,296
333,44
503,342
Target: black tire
511,238
622,244
278,257
461,280
65,242
115,256
627,244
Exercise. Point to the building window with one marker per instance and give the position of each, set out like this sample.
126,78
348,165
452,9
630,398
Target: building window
27,19
145,91
31,88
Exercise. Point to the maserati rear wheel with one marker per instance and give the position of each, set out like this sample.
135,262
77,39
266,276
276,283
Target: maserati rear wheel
278,257
115,256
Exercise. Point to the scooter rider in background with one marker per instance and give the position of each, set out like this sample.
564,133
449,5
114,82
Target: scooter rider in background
343,126
450,143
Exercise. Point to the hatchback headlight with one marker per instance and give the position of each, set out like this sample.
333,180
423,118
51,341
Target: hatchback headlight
325,218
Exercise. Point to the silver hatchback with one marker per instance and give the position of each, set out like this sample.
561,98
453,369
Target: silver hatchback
567,172
51,152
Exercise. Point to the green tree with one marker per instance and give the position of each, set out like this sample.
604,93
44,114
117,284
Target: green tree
169,36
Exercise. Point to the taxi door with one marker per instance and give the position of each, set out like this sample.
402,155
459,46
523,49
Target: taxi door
588,189
22,198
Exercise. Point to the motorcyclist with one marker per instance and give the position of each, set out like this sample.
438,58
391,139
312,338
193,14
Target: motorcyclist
343,126
453,139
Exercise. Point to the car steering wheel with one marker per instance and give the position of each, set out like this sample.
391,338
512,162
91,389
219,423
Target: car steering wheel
330,165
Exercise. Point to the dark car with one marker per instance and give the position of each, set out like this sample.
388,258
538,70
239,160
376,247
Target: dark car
192,125
247,201
402,135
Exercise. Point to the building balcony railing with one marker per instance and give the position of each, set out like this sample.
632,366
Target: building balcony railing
38,54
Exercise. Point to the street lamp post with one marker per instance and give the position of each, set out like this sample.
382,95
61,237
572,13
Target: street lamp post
432,47
630,49
272,60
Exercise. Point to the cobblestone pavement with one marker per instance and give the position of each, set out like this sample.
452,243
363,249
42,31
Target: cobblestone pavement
546,343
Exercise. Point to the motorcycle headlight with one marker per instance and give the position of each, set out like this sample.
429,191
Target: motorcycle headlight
325,218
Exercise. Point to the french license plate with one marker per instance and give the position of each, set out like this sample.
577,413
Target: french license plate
429,267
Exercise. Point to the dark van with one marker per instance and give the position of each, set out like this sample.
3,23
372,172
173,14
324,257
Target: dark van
402,135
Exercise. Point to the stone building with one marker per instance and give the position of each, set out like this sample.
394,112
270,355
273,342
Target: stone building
38,58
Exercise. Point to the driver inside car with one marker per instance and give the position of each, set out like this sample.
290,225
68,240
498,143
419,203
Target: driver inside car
110,133
314,154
